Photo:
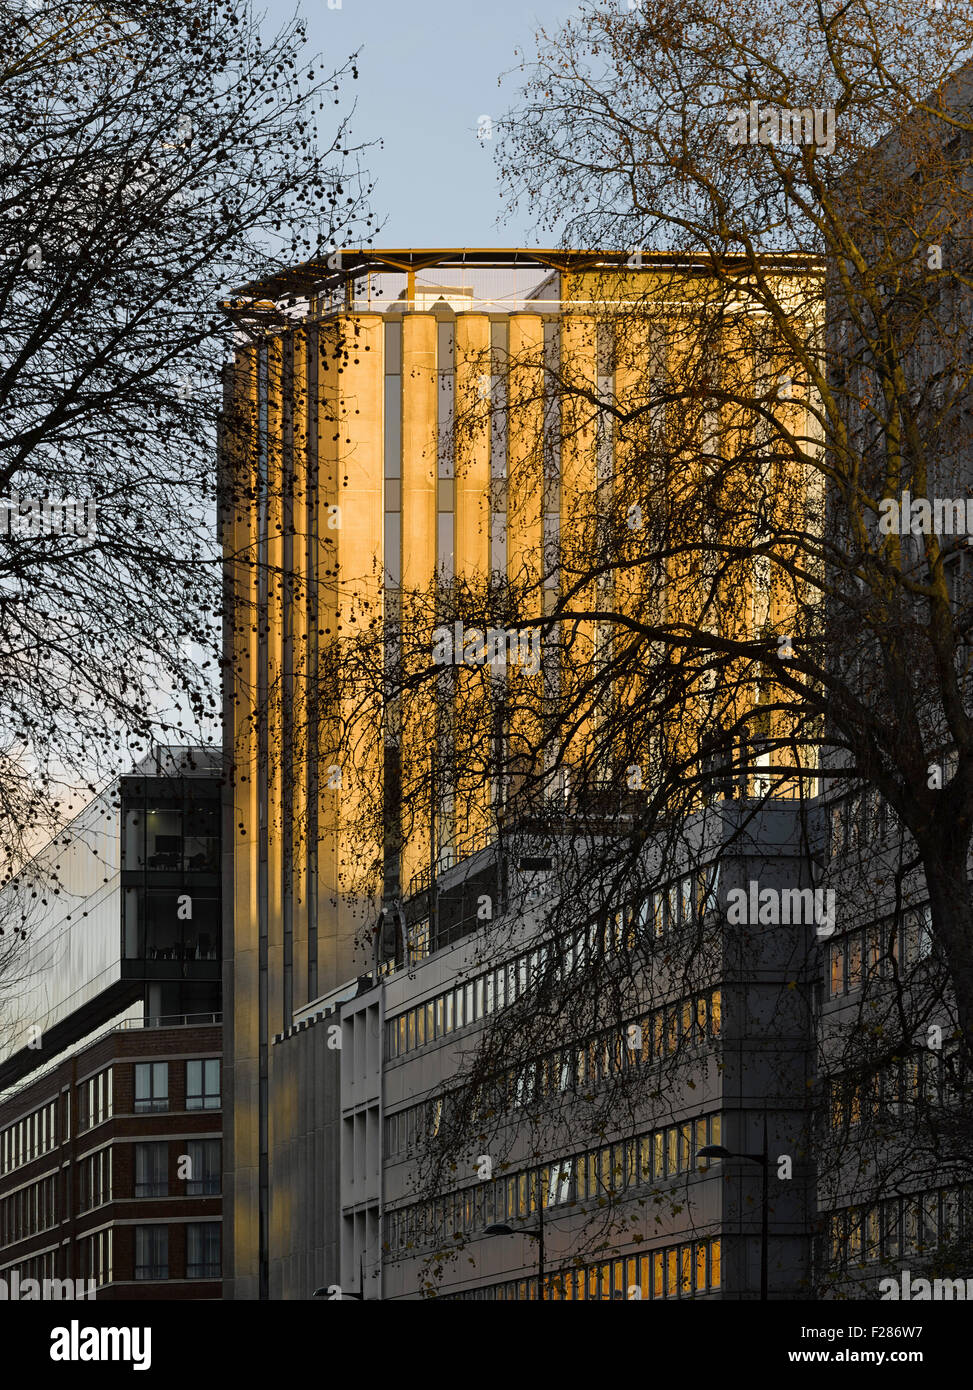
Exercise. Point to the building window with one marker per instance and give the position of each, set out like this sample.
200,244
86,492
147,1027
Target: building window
95,1100
587,1175
837,968
95,1176
169,924
96,1257
152,1252
203,1084
152,1170
203,1250
35,1135
163,833
918,935
204,1169
172,837
201,843
151,1086
559,1183
684,1269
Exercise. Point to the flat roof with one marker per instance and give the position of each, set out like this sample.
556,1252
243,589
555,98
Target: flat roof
316,276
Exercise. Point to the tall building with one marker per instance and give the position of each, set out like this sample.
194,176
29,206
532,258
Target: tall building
110,1042
393,431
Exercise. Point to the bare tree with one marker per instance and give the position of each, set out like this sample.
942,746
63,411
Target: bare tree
153,157
671,151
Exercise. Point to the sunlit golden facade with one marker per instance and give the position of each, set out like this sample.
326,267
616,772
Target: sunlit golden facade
365,461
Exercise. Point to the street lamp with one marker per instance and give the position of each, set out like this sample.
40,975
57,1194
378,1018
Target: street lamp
717,1151
501,1229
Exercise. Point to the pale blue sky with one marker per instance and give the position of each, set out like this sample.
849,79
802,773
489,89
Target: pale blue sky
428,72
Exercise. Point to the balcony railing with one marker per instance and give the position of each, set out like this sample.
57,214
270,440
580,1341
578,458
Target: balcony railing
166,1021
500,305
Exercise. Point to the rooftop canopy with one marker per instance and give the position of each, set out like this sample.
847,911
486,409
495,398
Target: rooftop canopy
329,283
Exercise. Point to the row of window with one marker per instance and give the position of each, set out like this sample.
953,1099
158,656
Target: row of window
879,949
464,1005
28,1211
679,1271
38,1267
201,1175
202,1251
28,1138
862,819
680,904
34,1208
655,914
929,1077
202,1085
656,1035
900,1226
604,1172
37,1133
203,1255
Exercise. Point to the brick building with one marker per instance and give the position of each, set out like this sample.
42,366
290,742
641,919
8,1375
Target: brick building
110,1166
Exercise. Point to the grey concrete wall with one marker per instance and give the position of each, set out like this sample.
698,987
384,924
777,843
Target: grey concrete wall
304,1160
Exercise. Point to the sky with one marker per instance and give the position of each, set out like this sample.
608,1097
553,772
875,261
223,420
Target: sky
428,72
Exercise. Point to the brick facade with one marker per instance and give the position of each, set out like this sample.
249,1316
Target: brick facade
29,1242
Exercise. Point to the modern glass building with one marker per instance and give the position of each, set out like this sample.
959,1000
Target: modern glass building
121,911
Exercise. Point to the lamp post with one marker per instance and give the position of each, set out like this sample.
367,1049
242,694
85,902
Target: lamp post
717,1151
501,1229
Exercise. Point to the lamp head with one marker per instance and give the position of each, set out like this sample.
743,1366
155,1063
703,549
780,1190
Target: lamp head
713,1151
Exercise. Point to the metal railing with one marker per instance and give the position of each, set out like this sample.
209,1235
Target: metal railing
500,305
166,1021
451,855
157,1021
